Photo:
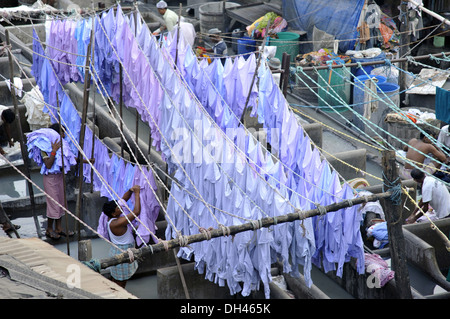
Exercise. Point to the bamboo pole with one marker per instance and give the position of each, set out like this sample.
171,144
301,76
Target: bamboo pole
93,110
232,230
284,78
22,139
63,172
261,54
121,109
394,219
431,13
404,49
178,35
136,150
87,83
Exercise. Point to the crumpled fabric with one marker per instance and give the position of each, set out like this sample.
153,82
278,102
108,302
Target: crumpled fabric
378,266
33,101
41,140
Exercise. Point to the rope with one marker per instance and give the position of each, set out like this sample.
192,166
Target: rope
93,264
130,255
395,188
322,209
432,224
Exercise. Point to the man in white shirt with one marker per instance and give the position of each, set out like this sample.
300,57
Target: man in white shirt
434,194
444,139
169,16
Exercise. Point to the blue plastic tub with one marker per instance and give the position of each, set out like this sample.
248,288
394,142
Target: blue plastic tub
368,68
246,45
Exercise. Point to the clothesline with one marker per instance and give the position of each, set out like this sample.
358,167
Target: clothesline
388,102
115,196
233,230
263,239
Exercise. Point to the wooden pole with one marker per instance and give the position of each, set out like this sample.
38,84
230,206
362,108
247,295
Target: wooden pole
87,85
178,35
232,230
394,219
431,13
180,270
284,79
22,139
404,49
261,54
137,113
121,109
93,112
63,173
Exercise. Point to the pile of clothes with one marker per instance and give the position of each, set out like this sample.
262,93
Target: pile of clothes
258,28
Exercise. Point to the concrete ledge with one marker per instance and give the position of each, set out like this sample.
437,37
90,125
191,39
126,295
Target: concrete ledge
426,250
170,287
356,158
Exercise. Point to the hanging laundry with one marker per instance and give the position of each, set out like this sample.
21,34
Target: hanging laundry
441,106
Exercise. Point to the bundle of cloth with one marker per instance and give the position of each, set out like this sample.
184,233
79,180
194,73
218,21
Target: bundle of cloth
41,141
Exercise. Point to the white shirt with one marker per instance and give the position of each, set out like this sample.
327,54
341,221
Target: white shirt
171,18
436,194
125,239
444,136
188,32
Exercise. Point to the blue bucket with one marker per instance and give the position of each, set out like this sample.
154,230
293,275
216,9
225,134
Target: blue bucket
388,87
246,45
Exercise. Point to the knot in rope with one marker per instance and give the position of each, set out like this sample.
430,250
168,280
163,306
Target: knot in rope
300,213
322,209
275,220
182,240
435,59
359,65
225,229
257,224
206,232
165,244
350,202
395,189
387,62
130,255
94,264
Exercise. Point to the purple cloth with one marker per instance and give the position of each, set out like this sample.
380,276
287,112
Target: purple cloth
40,140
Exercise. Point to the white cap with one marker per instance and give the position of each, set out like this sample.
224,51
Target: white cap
161,5
214,31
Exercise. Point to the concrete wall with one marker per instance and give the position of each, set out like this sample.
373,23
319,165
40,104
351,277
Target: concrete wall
356,158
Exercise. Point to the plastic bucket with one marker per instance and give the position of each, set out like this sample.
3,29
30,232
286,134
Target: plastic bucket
331,84
368,68
358,96
246,45
286,42
438,42
387,94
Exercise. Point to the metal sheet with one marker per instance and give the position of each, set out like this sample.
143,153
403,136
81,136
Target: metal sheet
249,13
